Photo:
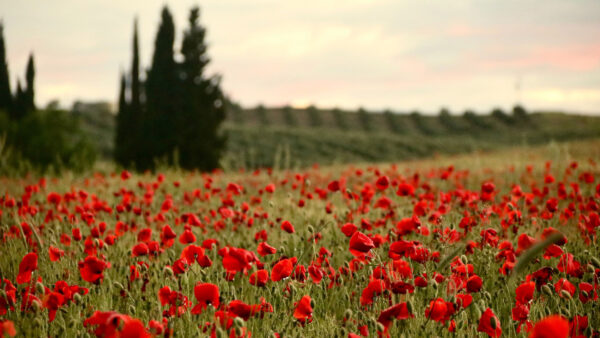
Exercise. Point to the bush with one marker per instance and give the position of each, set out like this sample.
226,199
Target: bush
476,121
448,121
45,141
261,114
314,116
340,119
501,116
364,119
421,124
393,122
289,117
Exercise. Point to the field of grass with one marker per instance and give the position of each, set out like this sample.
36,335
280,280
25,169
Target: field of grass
484,244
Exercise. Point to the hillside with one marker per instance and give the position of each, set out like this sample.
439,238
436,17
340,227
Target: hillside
286,137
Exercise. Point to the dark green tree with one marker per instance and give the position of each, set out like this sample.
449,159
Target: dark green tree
5,93
392,120
124,132
200,142
519,113
18,105
159,137
365,119
314,116
501,116
340,119
288,116
135,105
261,114
29,99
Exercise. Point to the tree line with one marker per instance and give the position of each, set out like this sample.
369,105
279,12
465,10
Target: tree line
173,115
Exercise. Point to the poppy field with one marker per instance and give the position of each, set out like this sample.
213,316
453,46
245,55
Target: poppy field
501,244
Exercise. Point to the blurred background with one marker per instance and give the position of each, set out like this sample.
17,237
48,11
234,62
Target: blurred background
290,83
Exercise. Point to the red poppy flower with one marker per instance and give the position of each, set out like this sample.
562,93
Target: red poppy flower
463,300
167,236
7,327
399,311
524,292
587,292
113,324
551,327
287,227
439,310
28,264
55,253
564,285
205,293
187,237
374,288
259,278
92,269
140,249
489,324
474,284
382,183
349,229
360,244
281,270
304,309
265,249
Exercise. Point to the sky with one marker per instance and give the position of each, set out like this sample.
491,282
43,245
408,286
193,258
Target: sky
376,54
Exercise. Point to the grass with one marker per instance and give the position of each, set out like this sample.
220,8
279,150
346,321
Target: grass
332,306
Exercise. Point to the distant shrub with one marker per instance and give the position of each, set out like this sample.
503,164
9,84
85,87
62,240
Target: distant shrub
314,116
519,113
289,117
261,114
448,121
339,118
235,112
45,141
476,121
421,124
501,116
393,122
365,119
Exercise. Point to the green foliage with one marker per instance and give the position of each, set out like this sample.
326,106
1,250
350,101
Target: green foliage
340,119
421,124
261,113
44,141
476,121
520,114
314,116
448,121
501,116
365,119
179,122
393,122
289,117
5,93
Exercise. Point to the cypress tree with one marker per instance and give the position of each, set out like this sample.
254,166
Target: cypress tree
18,106
29,99
123,133
135,119
202,103
5,94
158,132
136,106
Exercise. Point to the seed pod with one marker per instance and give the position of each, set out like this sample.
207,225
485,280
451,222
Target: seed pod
565,294
348,314
547,290
39,287
310,228
238,322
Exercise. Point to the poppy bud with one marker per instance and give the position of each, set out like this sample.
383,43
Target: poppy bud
312,303
591,268
464,259
477,312
565,294
310,228
39,287
131,309
348,314
221,333
37,321
487,295
118,285
36,306
77,298
380,327
547,290
565,312
238,322
3,294
168,272
596,262
409,306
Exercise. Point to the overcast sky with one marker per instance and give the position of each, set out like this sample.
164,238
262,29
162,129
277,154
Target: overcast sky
402,55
